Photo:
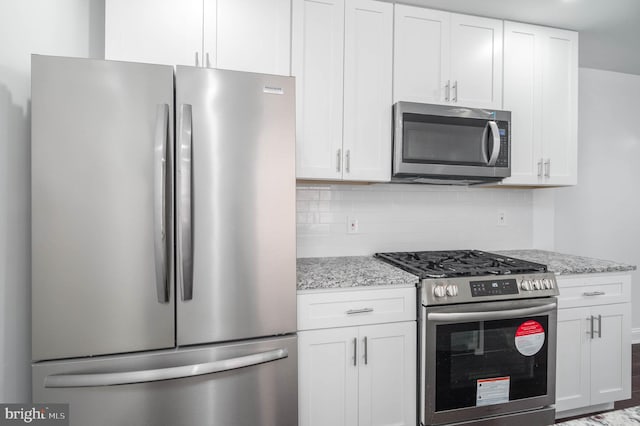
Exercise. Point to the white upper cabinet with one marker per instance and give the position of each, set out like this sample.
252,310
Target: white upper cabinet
421,61
476,61
317,63
367,90
244,35
447,58
154,31
541,91
342,61
248,35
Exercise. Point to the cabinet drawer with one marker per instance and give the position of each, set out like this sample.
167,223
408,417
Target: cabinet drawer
590,290
359,307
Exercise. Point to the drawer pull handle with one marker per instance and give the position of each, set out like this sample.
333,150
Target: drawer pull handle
594,293
359,311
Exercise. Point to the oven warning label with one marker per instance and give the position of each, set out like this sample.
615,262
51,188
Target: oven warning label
492,391
529,338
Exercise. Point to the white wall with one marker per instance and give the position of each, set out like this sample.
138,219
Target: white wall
600,217
398,217
61,27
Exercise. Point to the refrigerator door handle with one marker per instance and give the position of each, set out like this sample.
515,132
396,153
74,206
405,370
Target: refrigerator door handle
185,215
159,199
144,376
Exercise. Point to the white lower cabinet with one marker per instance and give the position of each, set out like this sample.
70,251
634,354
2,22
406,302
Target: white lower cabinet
357,375
594,343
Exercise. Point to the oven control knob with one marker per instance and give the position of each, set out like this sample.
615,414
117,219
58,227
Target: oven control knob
439,291
526,285
545,284
452,290
550,282
537,284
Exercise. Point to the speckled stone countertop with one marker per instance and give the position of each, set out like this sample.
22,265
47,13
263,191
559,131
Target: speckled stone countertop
565,264
315,273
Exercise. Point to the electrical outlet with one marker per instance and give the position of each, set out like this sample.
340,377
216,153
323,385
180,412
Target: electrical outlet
352,225
502,218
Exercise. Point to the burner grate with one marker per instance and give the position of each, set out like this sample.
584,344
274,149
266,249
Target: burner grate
458,263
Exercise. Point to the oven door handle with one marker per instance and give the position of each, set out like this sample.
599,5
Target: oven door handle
490,315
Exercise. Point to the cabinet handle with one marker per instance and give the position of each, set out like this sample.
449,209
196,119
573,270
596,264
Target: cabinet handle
355,351
348,161
547,168
593,293
208,62
590,332
366,352
359,311
338,160
197,60
540,168
455,87
447,91
599,327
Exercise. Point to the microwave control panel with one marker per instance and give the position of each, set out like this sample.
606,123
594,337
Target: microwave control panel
503,157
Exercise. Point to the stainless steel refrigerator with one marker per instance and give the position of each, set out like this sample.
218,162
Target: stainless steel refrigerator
163,274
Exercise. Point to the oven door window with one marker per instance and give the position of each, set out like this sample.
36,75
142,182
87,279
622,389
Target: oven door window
508,357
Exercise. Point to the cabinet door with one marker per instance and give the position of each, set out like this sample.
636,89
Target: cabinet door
328,377
476,61
248,35
573,359
160,32
560,109
367,90
317,64
421,55
611,353
523,97
388,374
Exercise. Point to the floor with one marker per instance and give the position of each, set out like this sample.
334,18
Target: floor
635,380
635,386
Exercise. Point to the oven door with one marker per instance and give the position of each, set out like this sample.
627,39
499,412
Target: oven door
485,359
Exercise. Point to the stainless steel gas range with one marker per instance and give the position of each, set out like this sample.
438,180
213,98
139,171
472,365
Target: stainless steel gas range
486,338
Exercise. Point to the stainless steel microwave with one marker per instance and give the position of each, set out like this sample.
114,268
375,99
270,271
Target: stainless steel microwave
450,144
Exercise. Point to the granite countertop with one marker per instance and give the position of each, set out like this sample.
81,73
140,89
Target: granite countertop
315,273
566,264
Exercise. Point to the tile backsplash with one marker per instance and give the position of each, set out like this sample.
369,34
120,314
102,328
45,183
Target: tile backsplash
400,217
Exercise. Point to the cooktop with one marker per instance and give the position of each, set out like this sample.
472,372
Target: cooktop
461,276
458,263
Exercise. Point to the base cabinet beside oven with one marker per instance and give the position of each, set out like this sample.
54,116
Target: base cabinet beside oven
594,343
357,375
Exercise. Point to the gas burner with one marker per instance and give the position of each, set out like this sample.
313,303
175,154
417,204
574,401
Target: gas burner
458,263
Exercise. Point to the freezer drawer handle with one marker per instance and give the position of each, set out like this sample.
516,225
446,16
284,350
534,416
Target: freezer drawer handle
144,376
491,315
160,208
185,213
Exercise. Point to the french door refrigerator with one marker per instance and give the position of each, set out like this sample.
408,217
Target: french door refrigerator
163,274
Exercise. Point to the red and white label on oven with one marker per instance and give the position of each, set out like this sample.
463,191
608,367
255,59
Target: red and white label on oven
492,391
529,338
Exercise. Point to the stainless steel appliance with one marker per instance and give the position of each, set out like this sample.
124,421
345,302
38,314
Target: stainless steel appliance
487,338
450,144
163,279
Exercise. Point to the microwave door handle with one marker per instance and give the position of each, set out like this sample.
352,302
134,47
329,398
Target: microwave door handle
495,152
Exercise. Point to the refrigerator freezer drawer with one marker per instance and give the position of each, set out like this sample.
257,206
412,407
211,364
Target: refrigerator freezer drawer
245,383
